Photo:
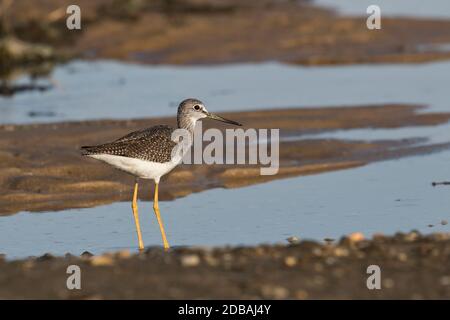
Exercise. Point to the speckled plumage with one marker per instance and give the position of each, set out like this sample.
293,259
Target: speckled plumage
151,144
148,153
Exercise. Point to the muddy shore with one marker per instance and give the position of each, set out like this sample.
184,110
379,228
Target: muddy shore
41,168
206,32
412,267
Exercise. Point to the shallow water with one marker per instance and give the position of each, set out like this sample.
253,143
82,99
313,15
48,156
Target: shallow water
106,89
409,8
383,197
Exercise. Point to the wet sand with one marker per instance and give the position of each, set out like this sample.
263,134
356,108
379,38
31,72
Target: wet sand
41,168
200,32
412,267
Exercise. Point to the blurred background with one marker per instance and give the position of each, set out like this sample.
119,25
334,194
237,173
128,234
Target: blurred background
234,54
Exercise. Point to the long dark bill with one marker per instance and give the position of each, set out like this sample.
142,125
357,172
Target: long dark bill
219,118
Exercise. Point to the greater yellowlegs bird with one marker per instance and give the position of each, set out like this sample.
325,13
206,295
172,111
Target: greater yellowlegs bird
148,153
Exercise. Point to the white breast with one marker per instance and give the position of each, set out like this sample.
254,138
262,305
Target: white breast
140,168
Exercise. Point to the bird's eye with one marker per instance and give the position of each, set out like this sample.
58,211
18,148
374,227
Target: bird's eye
197,107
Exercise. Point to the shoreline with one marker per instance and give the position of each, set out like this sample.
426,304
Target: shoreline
304,270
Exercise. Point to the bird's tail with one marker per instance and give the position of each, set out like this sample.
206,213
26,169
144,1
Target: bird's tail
87,150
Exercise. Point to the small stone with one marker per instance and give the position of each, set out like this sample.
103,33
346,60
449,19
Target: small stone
378,236
412,236
444,222
190,260
290,261
317,252
440,236
430,226
445,281
45,257
210,260
227,257
259,251
356,237
293,240
402,257
275,292
330,260
86,254
301,294
100,261
123,254
341,252
28,265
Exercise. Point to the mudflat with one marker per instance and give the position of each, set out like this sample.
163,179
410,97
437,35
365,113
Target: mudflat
206,32
41,167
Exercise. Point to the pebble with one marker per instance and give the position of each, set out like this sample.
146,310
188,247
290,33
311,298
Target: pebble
190,260
86,254
378,236
301,294
68,256
210,260
445,281
123,254
341,252
356,237
290,261
45,257
440,236
402,257
330,261
275,292
28,265
100,261
317,252
411,236
259,251
9,128
444,222
293,240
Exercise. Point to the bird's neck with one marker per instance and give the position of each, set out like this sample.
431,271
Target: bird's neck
187,124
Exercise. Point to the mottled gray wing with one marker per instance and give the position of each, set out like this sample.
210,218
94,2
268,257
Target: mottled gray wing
151,144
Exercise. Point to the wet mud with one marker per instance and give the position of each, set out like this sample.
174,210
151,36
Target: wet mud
41,168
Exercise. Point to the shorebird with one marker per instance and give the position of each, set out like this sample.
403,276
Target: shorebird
148,154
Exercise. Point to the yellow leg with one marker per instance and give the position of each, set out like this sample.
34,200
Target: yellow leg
158,216
136,216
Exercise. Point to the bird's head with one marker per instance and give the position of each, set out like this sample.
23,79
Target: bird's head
192,110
